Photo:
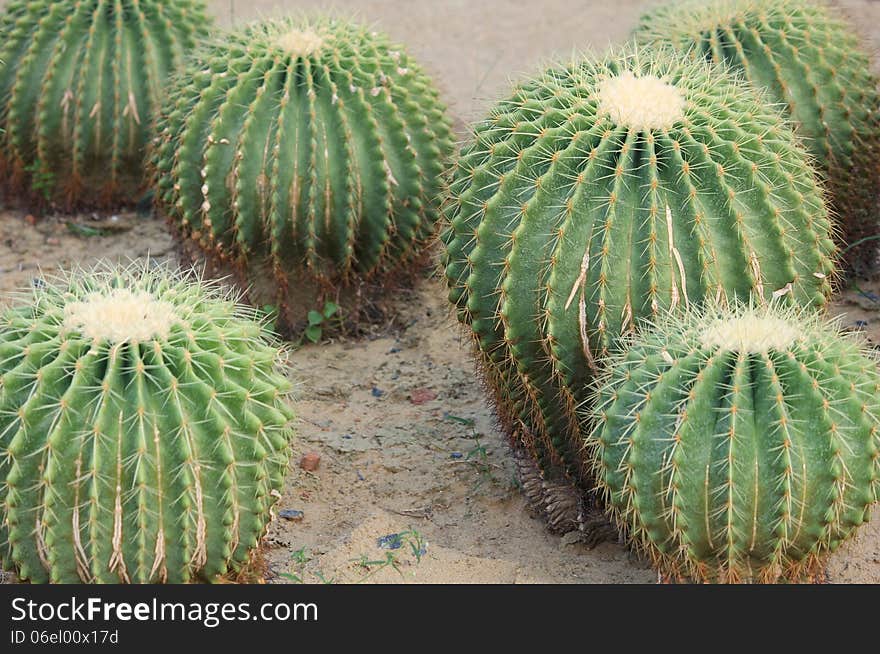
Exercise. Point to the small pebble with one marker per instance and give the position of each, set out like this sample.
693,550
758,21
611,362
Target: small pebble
421,395
294,515
310,461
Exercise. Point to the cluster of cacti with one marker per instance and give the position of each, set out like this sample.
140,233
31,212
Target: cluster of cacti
811,62
314,146
612,190
144,429
638,242
739,445
79,83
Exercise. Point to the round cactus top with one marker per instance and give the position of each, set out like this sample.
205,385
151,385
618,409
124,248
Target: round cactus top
750,332
742,328
120,315
678,21
300,42
699,15
137,303
643,103
326,41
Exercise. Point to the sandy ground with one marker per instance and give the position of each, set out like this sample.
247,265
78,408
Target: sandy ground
406,440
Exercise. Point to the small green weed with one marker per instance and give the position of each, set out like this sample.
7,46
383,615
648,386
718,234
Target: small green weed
300,558
319,321
411,538
478,455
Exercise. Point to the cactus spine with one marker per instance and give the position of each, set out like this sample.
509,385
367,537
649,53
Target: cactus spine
144,429
577,209
79,82
739,445
316,146
811,62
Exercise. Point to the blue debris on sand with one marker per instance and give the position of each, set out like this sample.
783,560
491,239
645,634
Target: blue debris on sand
377,392
390,542
291,514
396,541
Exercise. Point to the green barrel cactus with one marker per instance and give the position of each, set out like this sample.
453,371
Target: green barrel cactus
608,191
739,444
810,61
80,81
314,147
144,429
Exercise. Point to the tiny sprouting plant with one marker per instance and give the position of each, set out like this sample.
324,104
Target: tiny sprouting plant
478,455
300,558
410,539
372,566
319,321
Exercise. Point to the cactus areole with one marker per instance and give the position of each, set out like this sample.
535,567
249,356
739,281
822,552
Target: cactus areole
739,445
314,145
80,81
144,429
810,61
612,190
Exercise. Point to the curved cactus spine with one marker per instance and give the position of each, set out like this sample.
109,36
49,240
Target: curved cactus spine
79,82
144,429
811,62
739,445
317,146
577,208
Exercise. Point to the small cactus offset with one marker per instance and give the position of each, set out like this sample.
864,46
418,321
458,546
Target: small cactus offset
811,62
612,190
79,83
741,444
314,146
144,429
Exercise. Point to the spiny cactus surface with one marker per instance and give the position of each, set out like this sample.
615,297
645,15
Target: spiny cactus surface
144,429
737,445
810,61
317,146
79,82
611,190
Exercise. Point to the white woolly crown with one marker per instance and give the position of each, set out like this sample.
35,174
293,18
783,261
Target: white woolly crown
643,103
750,332
121,315
300,43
